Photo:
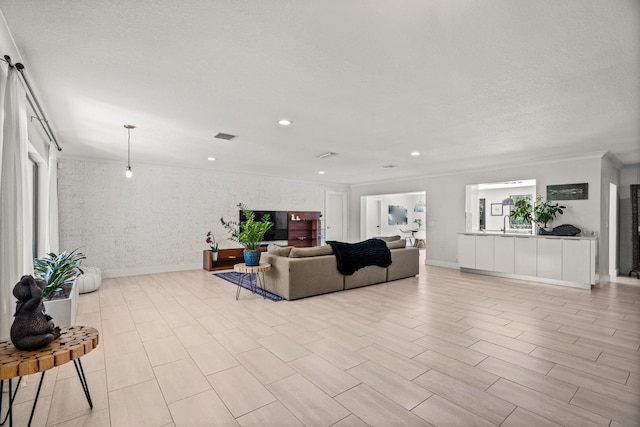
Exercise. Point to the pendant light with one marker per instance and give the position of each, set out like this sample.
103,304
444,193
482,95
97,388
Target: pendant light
128,173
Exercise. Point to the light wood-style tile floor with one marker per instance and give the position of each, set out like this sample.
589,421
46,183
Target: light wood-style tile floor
444,349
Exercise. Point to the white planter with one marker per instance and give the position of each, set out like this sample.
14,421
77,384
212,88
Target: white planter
63,311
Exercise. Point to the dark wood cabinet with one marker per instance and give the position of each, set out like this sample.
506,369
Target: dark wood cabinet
227,258
303,228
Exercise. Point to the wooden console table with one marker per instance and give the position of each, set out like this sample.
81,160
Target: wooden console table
74,342
227,258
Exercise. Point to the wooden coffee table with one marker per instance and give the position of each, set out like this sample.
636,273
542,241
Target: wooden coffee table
74,342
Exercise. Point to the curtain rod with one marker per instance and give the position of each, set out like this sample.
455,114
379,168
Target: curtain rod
36,108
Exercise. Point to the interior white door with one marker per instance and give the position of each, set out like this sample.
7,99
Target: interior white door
336,216
613,230
374,211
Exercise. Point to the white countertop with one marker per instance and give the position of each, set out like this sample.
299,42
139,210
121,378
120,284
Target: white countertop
500,233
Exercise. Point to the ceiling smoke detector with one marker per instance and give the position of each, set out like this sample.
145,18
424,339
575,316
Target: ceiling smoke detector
225,136
325,155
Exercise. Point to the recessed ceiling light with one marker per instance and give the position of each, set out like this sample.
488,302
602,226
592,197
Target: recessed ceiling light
285,122
415,153
211,158
321,172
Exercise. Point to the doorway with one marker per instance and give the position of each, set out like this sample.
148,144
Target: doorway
401,214
336,216
613,230
374,218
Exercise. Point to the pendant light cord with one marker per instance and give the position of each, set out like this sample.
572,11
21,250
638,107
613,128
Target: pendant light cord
129,147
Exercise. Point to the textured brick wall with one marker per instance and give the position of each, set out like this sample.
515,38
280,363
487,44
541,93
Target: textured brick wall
157,220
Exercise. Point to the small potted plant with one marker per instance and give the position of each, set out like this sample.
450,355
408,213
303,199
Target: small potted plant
249,233
60,271
211,241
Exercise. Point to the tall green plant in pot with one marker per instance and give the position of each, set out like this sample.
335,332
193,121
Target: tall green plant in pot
59,271
249,233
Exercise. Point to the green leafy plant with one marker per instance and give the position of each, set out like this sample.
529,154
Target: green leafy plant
546,211
522,210
211,241
249,233
59,271
542,212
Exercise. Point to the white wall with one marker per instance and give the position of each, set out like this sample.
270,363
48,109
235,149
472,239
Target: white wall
446,198
157,220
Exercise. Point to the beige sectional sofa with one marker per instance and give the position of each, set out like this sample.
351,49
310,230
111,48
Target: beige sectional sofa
303,272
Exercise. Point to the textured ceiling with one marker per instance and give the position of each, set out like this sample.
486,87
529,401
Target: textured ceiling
470,84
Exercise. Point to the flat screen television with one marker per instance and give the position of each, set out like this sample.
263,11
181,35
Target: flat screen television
279,231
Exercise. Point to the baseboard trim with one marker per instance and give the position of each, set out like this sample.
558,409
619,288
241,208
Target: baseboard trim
438,263
149,270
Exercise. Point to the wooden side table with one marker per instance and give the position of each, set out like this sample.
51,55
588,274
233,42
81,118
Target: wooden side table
245,270
74,342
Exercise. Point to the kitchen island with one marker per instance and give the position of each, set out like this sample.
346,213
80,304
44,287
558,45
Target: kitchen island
558,260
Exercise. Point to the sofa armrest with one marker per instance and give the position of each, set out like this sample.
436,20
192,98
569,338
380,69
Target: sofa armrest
405,262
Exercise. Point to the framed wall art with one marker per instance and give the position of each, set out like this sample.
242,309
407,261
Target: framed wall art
397,215
568,191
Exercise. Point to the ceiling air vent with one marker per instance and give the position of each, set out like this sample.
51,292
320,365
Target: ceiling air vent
325,155
225,136
390,166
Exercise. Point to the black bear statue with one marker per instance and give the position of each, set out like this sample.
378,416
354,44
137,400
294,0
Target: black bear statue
32,328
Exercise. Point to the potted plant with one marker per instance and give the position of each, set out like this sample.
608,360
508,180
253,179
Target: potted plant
542,212
249,233
211,241
60,271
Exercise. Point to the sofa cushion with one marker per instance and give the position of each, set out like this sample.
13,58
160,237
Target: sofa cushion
389,238
310,252
397,244
280,250
406,263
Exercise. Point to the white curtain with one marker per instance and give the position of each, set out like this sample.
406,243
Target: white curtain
51,214
15,227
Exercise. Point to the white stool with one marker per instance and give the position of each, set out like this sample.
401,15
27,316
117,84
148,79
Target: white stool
90,281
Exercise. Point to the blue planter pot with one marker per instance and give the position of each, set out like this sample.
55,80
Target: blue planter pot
252,258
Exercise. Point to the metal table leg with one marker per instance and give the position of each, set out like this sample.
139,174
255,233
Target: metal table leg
239,286
260,281
83,381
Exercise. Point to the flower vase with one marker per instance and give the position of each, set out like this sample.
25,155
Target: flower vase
214,256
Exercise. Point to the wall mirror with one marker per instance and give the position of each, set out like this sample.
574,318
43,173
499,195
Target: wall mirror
488,205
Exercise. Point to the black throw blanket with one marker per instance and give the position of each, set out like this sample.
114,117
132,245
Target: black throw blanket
354,256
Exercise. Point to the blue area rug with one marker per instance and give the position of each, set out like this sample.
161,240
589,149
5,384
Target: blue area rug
247,283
